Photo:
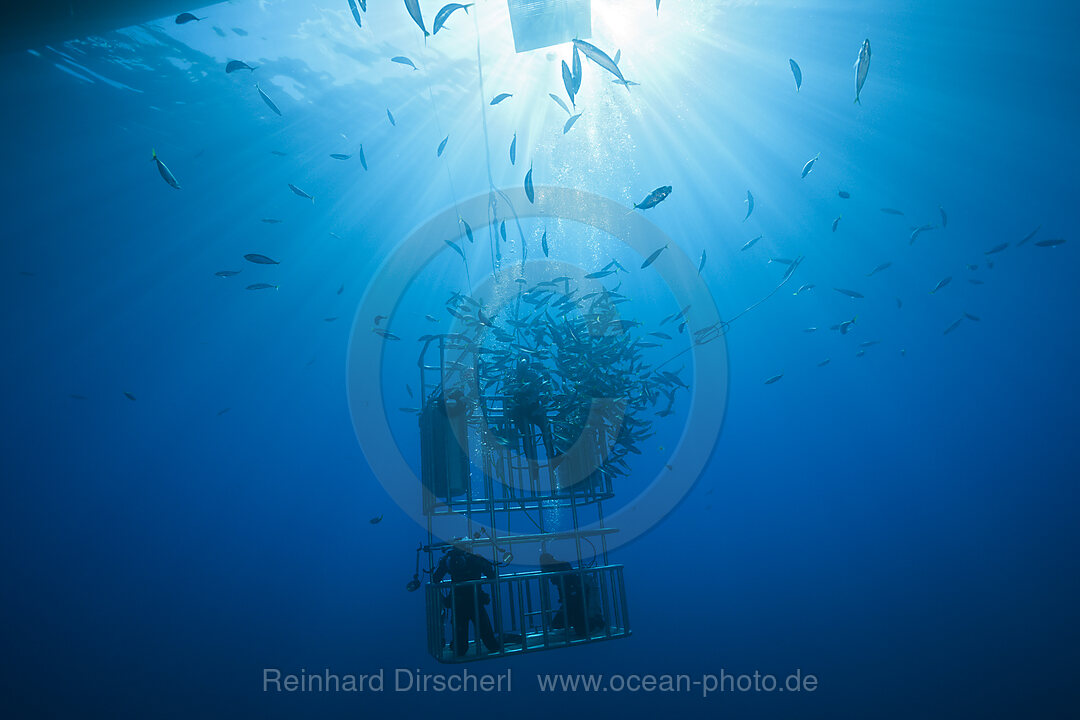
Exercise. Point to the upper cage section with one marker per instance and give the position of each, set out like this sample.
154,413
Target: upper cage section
492,450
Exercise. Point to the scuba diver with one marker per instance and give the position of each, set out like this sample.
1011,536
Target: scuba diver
579,605
526,412
468,600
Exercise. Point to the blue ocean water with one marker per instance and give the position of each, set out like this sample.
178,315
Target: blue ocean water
900,524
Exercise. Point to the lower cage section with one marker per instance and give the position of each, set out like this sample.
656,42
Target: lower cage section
525,612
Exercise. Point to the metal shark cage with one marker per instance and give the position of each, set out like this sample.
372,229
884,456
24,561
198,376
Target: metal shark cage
543,23
514,500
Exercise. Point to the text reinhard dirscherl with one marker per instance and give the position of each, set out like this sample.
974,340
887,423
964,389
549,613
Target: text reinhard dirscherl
402,680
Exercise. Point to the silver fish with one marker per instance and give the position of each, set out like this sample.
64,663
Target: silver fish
944,217
676,317
413,6
849,293
260,259
500,97
560,102
919,231
568,83
879,268
652,258
266,99
456,247
402,60
996,249
1053,242
749,205
234,65
654,198
599,57
797,72
953,326
1030,235
513,150
575,71
442,146
165,173
355,13
301,193
529,192
941,284
749,243
810,165
570,123
774,378
862,67
792,268
444,13
390,115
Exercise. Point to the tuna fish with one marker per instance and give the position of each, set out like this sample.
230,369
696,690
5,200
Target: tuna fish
862,67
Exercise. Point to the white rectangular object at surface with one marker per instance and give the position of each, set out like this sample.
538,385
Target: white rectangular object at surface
542,23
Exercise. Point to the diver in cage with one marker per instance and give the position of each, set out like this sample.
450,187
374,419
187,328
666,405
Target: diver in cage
526,411
580,605
467,600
